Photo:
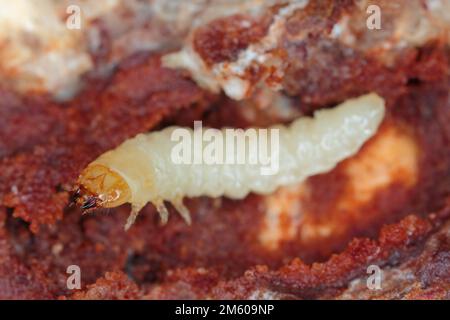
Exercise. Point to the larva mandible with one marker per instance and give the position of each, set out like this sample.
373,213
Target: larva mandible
141,169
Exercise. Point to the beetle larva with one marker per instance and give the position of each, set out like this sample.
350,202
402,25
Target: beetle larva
141,170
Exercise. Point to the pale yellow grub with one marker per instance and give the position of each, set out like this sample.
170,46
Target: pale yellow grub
144,170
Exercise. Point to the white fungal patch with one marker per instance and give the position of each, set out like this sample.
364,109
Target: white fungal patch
309,146
37,51
232,76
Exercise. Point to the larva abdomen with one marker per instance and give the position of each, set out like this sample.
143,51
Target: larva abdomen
306,147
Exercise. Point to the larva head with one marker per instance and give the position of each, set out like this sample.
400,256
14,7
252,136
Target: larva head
100,187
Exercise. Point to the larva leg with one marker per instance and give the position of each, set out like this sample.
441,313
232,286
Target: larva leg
162,210
135,209
142,169
182,209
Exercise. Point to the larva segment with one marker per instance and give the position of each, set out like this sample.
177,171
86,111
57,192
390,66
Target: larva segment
141,170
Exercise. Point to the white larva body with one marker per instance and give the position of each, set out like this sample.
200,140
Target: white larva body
309,146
